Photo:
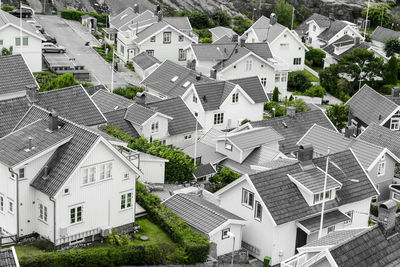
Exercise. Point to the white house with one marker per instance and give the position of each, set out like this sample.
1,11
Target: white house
283,205
63,181
144,64
381,35
224,104
10,36
284,43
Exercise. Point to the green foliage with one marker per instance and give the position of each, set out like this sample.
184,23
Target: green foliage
225,177
375,15
128,91
315,91
7,52
204,33
199,20
291,98
206,40
298,81
7,8
116,239
245,121
338,114
279,110
221,18
275,95
374,210
392,47
284,11
241,24
391,70
57,82
195,246
43,244
329,78
179,167
76,15
315,57
386,89
303,12
107,56
298,103
129,66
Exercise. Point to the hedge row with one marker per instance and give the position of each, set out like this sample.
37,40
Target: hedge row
76,15
98,257
196,246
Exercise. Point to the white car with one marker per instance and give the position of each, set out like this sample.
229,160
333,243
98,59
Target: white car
52,48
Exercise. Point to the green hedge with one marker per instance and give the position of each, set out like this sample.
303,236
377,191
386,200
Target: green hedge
98,257
196,246
76,15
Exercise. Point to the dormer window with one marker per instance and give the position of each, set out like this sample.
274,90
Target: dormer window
228,146
154,127
314,28
318,198
235,98
395,124
381,166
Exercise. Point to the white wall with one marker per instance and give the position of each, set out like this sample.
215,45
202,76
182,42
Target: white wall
162,128
153,171
179,140
8,221
225,246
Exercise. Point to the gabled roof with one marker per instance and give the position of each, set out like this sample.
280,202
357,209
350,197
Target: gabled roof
138,114
253,87
265,31
223,40
312,224
139,22
213,52
199,213
123,18
383,137
116,118
293,128
335,27
370,106
6,18
8,257
213,94
107,101
162,79
220,31
203,170
15,75
321,20
11,112
145,61
286,203
313,180
362,45
183,119
335,238
383,35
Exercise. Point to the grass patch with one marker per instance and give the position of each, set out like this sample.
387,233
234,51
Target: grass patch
100,50
27,250
310,76
155,234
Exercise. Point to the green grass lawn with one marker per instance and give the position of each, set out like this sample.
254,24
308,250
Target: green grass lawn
310,76
153,232
27,250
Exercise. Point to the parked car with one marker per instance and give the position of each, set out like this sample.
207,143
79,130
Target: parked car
49,39
52,48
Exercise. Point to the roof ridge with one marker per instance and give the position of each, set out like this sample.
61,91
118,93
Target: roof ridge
29,124
357,235
62,89
203,206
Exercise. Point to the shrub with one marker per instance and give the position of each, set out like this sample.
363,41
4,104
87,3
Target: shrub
43,244
315,57
52,81
298,81
100,49
205,40
279,110
129,66
7,8
315,91
225,177
128,91
7,52
76,15
275,95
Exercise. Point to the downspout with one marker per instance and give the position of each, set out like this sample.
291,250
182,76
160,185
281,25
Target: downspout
54,222
17,200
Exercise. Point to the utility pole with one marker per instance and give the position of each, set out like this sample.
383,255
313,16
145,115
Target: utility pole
366,21
112,73
292,17
20,27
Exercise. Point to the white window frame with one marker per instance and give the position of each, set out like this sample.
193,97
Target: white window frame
25,41
17,41
314,28
331,228
181,38
395,123
284,77
395,197
194,98
350,214
247,198
264,81
188,137
126,200
150,52
381,168
249,64
11,206
181,54
225,233
21,171
277,77
297,61
1,42
42,212
167,37
154,127
68,191
75,218
235,97
2,201
258,209
218,118
318,198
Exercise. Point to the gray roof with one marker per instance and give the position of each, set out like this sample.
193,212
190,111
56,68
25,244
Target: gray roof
213,94
345,40
370,106
116,118
199,213
15,75
6,18
213,52
313,180
383,137
107,101
145,98
183,119
123,18
138,114
351,47
265,31
11,112
203,170
7,258
181,23
160,79
220,31
383,35
141,21
253,138
66,158
286,203
336,238
293,128
223,40
253,87
322,139
330,218
145,61
335,27
93,89
321,20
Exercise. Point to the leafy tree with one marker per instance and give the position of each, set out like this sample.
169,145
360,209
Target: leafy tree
298,81
391,71
375,15
303,12
203,33
392,47
225,177
315,91
241,24
129,91
284,11
299,104
221,18
329,77
199,20
338,114
205,40
275,95
7,52
315,57
62,81
8,8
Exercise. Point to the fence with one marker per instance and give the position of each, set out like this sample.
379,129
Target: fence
313,72
8,240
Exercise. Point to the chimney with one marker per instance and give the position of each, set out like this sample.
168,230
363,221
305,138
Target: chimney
387,216
291,111
235,38
53,121
31,93
158,8
273,19
396,91
331,16
305,155
205,98
349,131
140,98
213,73
357,40
45,172
29,143
198,77
242,41
136,8
160,16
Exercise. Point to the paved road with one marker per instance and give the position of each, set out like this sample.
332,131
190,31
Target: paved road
73,36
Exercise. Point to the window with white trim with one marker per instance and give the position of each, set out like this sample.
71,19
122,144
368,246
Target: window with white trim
126,175
395,123
181,55
228,146
318,198
225,233
249,65
21,173
350,214
180,38
126,201
25,41
247,198
277,77
1,42
150,52
76,214
1,203
264,81
194,98
187,137
235,98
167,37
42,212
92,174
314,28
258,211
85,176
218,118
396,196
284,77
154,127
285,45
297,61
105,171
331,229
11,206
66,191
381,166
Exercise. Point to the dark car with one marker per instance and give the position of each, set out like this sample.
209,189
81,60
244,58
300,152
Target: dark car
49,39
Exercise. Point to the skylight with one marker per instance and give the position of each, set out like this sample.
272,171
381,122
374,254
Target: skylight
174,79
186,84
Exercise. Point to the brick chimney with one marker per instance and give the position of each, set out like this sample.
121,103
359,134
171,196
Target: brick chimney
291,111
349,131
158,8
136,8
387,216
273,19
305,155
242,41
160,16
31,93
53,121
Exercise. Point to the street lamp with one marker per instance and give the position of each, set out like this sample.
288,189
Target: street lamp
273,110
230,234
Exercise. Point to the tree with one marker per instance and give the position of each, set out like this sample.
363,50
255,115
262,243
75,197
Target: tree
62,81
206,40
8,8
241,24
129,91
391,71
284,11
199,20
7,52
315,57
221,18
303,12
315,91
338,114
329,77
225,177
275,95
298,81
375,15
392,46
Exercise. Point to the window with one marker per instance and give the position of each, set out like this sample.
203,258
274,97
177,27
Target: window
194,99
152,39
102,172
122,49
126,201
150,52
219,118
198,160
187,137
284,77
381,168
285,35
85,176
331,229
225,233
17,41
350,214
1,42
182,55
92,174
167,37
285,45
314,28
320,196
277,77
154,127
76,214
25,41
11,206
249,64
180,38
258,211
228,146
42,212
2,203
297,61
66,191
247,198
396,196
264,81
21,173
395,123
235,98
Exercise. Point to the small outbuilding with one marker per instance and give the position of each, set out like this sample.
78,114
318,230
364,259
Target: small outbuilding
144,64
90,23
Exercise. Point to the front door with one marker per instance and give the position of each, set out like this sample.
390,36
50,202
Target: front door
301,238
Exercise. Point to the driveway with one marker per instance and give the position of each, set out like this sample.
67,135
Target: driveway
73,36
